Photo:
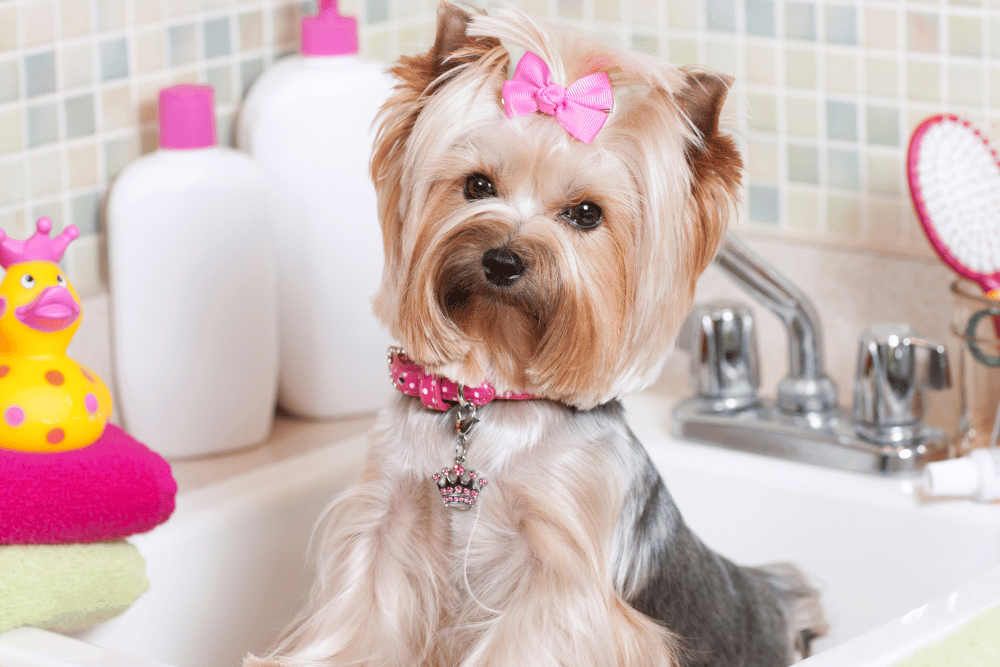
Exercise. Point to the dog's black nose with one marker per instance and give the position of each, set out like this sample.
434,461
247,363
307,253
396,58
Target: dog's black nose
502,267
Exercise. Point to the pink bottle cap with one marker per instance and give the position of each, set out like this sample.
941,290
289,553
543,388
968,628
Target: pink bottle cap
328,33
187,117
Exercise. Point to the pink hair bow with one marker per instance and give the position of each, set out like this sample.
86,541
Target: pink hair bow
579,108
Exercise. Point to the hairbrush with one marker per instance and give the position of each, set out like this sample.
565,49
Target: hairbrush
954,178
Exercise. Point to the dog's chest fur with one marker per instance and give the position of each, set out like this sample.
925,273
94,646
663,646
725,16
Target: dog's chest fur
545,463
572,492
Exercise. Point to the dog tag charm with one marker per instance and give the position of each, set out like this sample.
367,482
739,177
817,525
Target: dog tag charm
460,488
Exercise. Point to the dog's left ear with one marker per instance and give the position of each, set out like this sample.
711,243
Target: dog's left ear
715,164
703,98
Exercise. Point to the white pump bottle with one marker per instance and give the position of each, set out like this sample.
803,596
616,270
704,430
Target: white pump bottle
193,292
307,122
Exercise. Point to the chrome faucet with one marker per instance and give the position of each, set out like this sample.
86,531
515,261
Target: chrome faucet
806,388
883,434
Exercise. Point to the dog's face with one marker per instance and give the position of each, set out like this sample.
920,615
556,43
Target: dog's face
518,254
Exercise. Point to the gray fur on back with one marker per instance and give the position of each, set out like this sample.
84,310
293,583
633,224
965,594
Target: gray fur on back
724,614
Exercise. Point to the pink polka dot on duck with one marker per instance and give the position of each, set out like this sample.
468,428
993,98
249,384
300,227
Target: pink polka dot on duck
14,415
90,402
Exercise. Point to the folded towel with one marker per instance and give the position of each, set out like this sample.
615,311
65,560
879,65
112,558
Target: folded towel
976,644
111,489
68,587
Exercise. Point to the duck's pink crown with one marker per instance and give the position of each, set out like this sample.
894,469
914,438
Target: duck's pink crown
38,247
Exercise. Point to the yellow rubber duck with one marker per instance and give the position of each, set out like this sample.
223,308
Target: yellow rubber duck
48,402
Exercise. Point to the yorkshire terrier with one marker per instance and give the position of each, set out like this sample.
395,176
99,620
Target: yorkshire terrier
543,236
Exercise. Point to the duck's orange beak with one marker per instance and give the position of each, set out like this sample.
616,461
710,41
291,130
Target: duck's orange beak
53,310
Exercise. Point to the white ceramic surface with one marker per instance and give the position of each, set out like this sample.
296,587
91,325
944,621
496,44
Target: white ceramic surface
228,570
30,647
916,629
876,547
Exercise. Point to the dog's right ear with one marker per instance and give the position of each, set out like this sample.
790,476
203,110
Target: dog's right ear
418,76
452,22
452,45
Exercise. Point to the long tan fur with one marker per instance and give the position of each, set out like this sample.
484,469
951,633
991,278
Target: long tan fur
669,180
528,578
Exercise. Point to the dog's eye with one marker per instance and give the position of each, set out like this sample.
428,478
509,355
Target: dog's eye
585,215
478,186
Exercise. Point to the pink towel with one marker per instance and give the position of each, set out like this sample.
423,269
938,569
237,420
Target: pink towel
111,489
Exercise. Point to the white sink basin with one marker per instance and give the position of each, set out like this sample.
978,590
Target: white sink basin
876,547
229,570
919,628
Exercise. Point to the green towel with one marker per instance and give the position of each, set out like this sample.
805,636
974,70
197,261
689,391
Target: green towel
68,587
977,644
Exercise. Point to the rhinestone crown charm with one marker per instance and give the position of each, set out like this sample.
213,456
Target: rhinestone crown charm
458,488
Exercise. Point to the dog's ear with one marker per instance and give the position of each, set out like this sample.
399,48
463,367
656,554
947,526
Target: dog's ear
452,22
452,45
418,75
703,98
715,164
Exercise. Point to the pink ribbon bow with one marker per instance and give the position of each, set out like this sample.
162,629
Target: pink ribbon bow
579,108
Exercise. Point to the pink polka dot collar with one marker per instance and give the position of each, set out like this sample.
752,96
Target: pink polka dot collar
436,392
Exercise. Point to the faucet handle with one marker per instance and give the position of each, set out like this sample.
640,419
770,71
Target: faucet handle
721,338
895,366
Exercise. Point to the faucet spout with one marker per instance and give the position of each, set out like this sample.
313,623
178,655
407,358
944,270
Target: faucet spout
806,388
885,434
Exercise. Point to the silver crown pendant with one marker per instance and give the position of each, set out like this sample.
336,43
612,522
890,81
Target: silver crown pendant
460,489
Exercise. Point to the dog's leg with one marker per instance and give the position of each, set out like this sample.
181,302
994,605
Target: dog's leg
725,614
380,581
800,602
544,568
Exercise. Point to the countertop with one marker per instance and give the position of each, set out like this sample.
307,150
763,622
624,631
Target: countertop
289,437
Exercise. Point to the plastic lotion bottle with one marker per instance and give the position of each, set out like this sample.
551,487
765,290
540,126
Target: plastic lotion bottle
193,289
307,122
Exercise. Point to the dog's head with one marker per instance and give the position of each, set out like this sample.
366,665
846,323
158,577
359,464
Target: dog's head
519,254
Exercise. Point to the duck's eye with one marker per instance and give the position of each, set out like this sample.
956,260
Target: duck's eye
585,215
478,186
27,281
61,280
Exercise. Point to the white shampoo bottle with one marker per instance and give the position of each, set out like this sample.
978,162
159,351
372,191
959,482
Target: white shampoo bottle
193,288
307,122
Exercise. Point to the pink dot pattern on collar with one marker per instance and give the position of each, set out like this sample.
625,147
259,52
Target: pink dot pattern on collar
440,393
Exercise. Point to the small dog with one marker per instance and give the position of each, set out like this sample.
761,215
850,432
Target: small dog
548,239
